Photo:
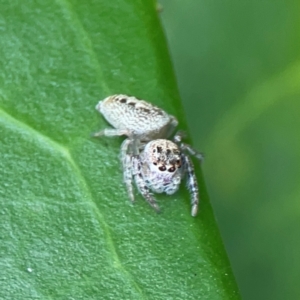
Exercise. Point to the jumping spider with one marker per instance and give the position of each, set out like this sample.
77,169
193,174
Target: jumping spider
155,163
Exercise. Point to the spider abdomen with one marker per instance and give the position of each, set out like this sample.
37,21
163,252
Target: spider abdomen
138,117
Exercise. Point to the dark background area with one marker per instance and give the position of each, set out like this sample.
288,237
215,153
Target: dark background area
238,70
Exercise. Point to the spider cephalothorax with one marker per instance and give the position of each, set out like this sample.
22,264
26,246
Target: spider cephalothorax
162,166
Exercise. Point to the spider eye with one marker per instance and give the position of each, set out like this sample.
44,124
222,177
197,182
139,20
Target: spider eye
159,149
162,168
123,100
172,169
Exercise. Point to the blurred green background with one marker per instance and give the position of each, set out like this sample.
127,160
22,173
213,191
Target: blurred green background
238,70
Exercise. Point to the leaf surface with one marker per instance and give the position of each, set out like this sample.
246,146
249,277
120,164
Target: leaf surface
68,230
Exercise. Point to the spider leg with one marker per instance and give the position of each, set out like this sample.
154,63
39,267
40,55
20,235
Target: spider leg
141,184
179,136
192,184
111,132
135,147
173,124
178,140
126,160
192,151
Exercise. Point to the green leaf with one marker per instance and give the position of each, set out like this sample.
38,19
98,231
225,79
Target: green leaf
68,230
